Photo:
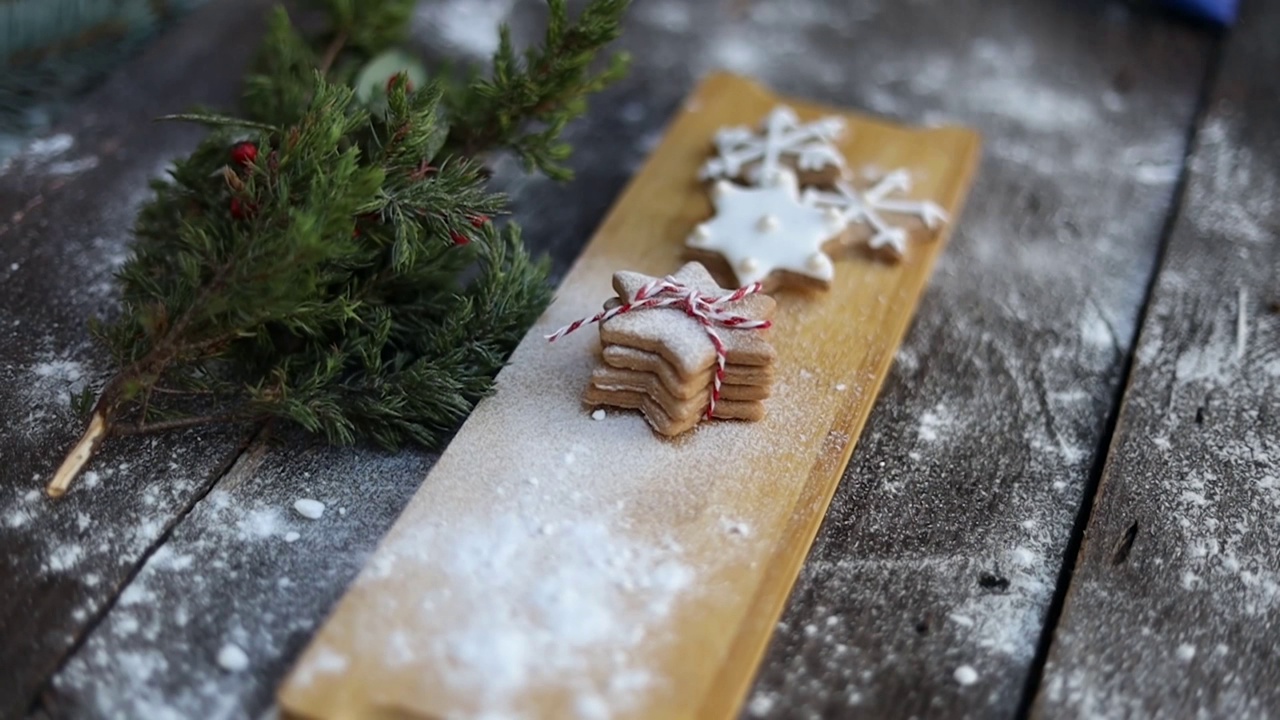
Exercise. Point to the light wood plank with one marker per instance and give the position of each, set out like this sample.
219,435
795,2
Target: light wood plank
773,479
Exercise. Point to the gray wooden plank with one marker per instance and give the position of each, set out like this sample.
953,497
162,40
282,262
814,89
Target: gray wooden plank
1018,348
245,570
66,205
1174,604
927,590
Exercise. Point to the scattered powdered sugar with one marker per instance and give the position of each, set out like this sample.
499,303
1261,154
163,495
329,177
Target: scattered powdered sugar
45,149
232,659
567,553
1235,193
47,389
308,508
258,523
598,589
222,578
933,423
43,155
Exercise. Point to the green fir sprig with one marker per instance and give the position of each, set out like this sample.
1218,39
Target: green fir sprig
328,260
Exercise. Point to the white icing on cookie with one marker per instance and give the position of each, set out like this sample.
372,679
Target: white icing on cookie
869,207
763,229
781,136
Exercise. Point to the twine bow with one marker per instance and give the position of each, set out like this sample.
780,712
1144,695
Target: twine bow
708,310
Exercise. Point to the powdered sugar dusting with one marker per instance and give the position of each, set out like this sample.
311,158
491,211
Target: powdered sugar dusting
46,156
1236,193
542,561
218,609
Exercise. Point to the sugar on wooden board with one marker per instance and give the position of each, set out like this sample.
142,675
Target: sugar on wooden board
560,564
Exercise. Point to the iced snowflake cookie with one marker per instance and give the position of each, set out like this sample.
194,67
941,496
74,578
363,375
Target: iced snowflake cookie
868,208
751,157
682,349
768,233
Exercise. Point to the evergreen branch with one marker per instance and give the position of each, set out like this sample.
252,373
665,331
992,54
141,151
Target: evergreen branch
218,121
336,266
544,89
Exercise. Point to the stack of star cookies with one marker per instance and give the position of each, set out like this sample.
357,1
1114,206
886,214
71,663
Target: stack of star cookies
662,360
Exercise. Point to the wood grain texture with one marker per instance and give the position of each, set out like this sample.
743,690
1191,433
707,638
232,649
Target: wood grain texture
65,208
402,640
1174,607
926,592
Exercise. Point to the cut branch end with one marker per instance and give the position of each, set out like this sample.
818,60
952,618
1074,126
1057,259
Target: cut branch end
79,456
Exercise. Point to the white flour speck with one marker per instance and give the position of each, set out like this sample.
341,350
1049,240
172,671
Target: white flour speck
232,659
64,558
308,508
933,423
966,675
598,414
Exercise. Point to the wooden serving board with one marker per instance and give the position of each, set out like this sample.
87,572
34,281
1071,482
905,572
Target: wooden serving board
554,565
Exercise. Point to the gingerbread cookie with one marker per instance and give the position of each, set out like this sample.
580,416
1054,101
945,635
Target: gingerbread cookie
627,358
607,378
675,343
658,418
680,337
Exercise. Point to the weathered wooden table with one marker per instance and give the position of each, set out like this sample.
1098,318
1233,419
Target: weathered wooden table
1067,501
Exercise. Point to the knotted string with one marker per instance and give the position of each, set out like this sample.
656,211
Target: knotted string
708,310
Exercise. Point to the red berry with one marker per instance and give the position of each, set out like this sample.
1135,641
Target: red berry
479,221
241,210
458,238
244,153
395,80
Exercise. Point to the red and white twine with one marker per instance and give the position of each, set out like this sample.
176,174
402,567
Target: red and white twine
708,310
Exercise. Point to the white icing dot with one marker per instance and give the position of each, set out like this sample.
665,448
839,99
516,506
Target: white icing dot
768,223
598,414
232,659
815,261
308,508
747,265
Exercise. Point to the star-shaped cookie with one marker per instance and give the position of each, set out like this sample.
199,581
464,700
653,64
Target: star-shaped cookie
678,337
767,229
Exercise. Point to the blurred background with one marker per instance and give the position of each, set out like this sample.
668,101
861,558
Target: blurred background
54,50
